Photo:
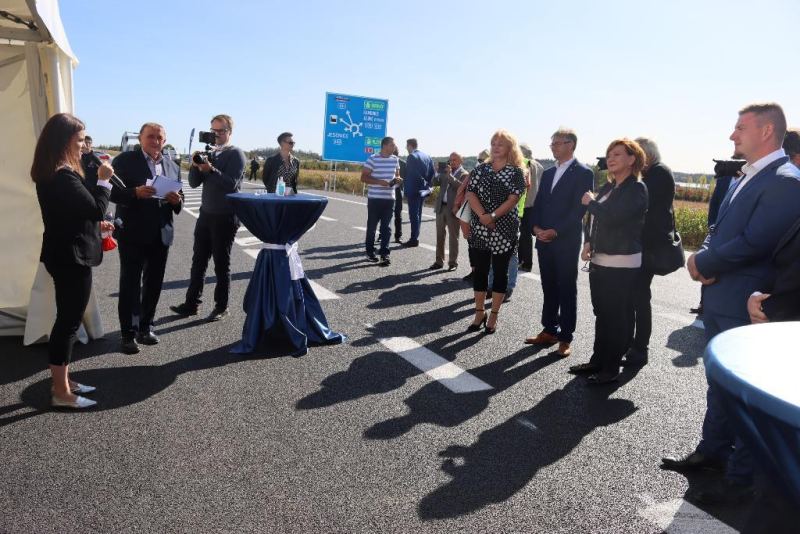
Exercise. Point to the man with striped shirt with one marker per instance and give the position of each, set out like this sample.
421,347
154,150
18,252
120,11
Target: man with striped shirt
382,173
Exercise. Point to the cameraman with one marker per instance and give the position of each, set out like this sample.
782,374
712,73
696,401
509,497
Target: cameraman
221,173
90,163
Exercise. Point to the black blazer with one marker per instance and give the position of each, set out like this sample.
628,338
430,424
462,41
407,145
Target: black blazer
660,197
784,301
618,221
148,220
270,175
71,213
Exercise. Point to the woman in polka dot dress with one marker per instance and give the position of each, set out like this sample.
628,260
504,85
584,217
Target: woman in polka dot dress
494,191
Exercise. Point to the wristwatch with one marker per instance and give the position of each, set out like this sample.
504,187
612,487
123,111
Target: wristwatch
493,215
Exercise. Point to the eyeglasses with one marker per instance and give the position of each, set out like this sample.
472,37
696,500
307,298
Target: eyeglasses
559,143
290,143
221,130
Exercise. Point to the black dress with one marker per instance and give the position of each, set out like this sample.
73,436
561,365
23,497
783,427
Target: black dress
493,189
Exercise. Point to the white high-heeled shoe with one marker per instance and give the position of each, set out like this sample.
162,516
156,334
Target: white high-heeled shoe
80,403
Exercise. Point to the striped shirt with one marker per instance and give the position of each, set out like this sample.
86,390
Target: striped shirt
382,169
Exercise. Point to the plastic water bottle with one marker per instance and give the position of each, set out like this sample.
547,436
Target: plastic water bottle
280,189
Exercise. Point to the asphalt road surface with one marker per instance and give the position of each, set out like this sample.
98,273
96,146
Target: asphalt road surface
413,425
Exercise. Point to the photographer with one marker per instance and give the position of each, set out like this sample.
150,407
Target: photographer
221,173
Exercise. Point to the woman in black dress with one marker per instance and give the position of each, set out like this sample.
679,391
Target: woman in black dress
73,217
613,244
494,191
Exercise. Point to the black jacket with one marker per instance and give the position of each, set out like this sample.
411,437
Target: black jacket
71,213
270,175
658,221
147,220
90,163
784,301
618,221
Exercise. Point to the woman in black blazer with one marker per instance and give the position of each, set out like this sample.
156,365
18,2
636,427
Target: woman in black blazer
73,218
613,244
282,164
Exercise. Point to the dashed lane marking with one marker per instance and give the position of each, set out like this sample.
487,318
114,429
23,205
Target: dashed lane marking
247,241
532,276
443,371
322,217
678,516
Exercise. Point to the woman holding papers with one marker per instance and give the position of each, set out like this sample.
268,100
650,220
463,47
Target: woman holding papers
71,245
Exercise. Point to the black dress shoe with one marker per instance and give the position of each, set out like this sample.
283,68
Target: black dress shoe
634,358
693,462
129,345
397,239
606,377
410,243
584,368
148,338
385,262
726,493
372,257
218,314
184,309
435,267
452,267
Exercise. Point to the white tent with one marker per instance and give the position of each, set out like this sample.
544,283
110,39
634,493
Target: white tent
36,65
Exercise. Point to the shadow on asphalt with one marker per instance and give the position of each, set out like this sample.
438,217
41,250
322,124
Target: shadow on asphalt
183,284
339,252
415,294
505,459
686,341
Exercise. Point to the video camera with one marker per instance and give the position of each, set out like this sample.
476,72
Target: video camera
206,155
727,167
601,164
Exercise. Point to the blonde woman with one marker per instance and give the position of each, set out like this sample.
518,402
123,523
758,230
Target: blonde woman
493,193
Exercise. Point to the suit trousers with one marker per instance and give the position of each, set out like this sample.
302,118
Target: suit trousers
73,285
558,269
446,222
611,291
213,237
415,215
719,440
640,313
398,212
141,274
526,239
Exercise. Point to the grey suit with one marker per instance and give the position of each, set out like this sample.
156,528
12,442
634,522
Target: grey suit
446,221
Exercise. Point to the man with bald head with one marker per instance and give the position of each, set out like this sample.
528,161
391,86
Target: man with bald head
448,179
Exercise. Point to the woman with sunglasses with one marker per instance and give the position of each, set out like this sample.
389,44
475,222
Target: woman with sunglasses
282,165
613,247
73,214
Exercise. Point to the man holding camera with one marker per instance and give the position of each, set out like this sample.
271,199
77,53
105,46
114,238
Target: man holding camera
144,233
449,180
382,173
220,173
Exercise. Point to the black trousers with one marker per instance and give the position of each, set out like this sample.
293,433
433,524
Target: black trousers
526,238
640,313
611,291
484,259
398,212
141,273
213,237
73,284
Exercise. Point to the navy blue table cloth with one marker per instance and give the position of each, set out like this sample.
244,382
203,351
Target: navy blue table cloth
277,306
757,370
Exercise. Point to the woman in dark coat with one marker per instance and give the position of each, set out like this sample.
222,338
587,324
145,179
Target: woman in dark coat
73,214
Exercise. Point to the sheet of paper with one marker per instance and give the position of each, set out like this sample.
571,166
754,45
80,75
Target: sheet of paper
164,185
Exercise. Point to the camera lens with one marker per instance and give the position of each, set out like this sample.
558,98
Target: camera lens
197,158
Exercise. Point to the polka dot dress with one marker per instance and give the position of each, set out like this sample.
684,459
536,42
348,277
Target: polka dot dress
493,189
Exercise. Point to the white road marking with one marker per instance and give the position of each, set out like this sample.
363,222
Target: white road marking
191,212
247,241
532,276
327,218
445,372
360,228
242,229
682,319
677,516
319,291
359,203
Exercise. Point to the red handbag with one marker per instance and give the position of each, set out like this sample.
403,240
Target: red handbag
109,243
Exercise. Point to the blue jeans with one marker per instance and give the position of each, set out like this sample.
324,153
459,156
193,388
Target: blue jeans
415,215
513,270
379,210
719,438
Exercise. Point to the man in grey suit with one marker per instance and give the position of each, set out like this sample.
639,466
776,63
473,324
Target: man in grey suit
449,179
734,261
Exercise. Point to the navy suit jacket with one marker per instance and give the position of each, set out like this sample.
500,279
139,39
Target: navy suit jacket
738,249
419,173
561,208
146,220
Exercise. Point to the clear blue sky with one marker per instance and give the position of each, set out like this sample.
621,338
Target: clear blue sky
453,72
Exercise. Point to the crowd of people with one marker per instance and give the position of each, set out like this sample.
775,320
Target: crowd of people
748,264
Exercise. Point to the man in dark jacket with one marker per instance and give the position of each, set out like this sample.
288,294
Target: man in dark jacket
217,224
90,163
144,234
254,166
658,229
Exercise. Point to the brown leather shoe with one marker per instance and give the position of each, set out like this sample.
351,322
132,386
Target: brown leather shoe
564,349
542,338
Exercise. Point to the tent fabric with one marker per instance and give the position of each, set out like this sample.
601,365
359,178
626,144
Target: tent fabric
35,84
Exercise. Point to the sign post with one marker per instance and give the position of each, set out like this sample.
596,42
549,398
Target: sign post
354,127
